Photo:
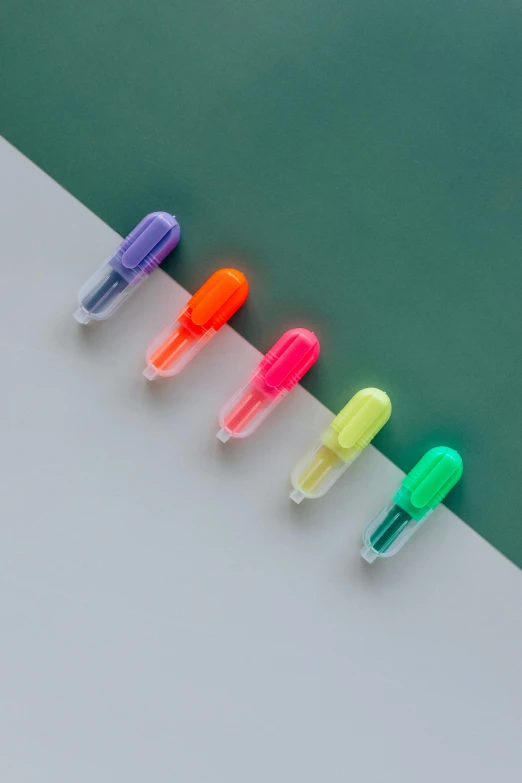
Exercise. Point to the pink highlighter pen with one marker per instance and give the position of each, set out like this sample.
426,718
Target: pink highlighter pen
276,374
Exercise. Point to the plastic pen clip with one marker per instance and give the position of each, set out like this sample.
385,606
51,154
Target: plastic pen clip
276,374
425,486
205,313
340,444
136,257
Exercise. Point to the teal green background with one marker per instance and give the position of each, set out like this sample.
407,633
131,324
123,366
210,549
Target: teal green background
361,161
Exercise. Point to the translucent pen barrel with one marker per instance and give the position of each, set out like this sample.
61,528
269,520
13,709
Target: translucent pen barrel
388,532
247,409
105,291
174,347
318,471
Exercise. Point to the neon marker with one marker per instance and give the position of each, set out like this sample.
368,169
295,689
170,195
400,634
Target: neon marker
425,486
340,444
205,313
276,374
137,256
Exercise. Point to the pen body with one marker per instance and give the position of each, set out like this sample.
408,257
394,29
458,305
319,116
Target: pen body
136,257
280,369
388,532
242,414
340,444
206,312
321,467
175,346
108,288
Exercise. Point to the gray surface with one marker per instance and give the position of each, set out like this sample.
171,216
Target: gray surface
167,614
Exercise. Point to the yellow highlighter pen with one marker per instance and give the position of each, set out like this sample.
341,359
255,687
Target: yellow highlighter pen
340,444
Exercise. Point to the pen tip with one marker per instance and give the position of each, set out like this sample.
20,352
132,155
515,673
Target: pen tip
149,372
82,316
297,495
368,554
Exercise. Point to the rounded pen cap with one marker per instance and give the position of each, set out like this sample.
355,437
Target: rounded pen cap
362,418
218,299
289,359
428,483
150,242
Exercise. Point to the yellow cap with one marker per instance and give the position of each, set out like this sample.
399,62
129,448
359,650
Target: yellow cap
360,420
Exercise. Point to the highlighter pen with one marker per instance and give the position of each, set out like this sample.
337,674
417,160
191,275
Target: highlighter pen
340,444
276,374
137,256
425,486
204,314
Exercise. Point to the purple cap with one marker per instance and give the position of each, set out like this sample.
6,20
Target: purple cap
146,246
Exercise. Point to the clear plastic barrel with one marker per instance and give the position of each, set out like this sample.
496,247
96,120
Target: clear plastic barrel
173,348
317,472
247,409
388,532
105,291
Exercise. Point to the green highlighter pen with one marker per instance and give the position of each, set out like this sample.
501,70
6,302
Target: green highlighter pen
425,486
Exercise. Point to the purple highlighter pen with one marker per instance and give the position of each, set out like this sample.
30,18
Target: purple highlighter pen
137,256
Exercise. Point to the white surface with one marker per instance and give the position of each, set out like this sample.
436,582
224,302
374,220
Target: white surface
168,614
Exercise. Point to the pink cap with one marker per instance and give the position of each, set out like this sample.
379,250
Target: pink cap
287,361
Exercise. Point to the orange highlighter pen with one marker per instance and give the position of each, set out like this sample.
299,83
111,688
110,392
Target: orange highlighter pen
205,313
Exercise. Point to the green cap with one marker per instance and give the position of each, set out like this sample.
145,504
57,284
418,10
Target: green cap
428,483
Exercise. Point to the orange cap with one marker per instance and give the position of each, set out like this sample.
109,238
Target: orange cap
217,300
